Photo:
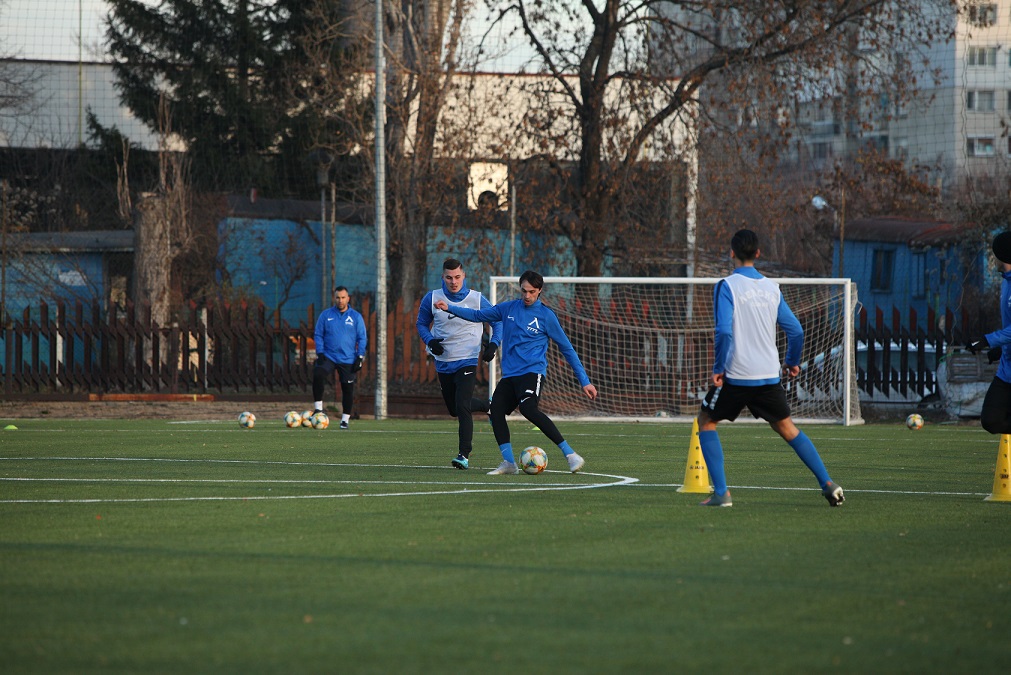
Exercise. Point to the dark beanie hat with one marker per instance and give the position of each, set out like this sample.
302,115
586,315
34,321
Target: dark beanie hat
1001,247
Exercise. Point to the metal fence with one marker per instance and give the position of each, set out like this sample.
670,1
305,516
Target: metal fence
217,349
243,349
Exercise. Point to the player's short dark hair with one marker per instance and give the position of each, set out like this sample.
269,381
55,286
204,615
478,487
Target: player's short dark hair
452,264
744,244
341,288
532,278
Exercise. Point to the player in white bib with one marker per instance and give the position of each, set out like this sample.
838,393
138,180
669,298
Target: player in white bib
456,345
746,367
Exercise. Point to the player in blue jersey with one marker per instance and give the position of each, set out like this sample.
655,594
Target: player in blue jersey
996,414
527,325
746,367
340,345
455,345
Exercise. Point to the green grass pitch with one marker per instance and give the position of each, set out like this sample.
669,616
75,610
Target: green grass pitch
146,546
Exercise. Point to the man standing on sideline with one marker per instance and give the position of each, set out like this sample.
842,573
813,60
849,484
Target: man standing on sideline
527,325
340,345
996,414
456,345
746,367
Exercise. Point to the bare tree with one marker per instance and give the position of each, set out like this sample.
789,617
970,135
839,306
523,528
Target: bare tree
743,61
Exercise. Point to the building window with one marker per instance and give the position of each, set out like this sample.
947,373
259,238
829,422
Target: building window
980,101
981,57
919,275
983,14
1009,101
980,147
821,150
881,271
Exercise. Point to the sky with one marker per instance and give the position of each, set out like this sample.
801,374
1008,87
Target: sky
49,30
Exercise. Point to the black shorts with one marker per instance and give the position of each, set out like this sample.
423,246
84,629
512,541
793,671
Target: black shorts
511,391
345,371
767,401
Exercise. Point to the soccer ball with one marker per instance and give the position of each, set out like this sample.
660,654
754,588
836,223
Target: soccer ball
247,420
914,421
320,421
533,460
307,418
292,419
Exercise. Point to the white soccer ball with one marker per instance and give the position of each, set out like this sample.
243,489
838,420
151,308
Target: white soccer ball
307,418
320,421
533,460
914,421
247,420
292,419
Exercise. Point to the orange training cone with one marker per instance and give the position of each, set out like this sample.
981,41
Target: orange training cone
696,473
1002,473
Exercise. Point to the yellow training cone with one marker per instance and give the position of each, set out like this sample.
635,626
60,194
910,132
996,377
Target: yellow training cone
1002,473
696,473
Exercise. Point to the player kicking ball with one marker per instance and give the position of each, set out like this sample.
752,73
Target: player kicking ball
746,367
527,325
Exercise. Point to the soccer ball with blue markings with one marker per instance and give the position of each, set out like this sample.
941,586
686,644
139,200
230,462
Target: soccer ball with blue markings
247,420
307,418
320,421
292,419
914,421
533,460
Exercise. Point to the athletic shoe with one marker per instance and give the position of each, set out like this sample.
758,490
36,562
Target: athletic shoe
833,493
718,500
575,462
503,468
461,462
344,425
316,412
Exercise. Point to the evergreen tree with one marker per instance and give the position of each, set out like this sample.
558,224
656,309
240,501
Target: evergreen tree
217,75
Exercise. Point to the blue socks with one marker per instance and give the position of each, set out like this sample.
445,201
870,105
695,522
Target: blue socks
507,452
805,449
712,451
566,448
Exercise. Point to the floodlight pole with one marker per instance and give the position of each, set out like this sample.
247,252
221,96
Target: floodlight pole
380,130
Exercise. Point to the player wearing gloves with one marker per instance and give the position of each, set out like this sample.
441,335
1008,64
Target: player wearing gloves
340,345
527,325
996,414
456,345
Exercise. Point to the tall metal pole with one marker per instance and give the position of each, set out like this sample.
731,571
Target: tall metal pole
380,131
512,230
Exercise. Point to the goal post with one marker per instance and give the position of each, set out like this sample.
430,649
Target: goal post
647,345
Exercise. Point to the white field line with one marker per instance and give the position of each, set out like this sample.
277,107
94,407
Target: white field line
503,487
933,493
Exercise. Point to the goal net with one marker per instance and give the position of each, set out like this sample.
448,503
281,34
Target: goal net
647,345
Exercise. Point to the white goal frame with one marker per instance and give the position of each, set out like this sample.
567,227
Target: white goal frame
836,392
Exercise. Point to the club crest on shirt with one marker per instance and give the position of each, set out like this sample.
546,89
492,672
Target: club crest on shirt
534,327
349,321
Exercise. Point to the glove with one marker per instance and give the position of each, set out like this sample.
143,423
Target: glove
993,356
489,352
359,362
435,346
976,346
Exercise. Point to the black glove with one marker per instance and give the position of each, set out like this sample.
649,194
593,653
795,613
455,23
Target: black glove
435,346
993,356
976,346
489,352
359,362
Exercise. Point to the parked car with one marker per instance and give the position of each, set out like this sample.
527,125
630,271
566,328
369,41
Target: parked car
963,379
